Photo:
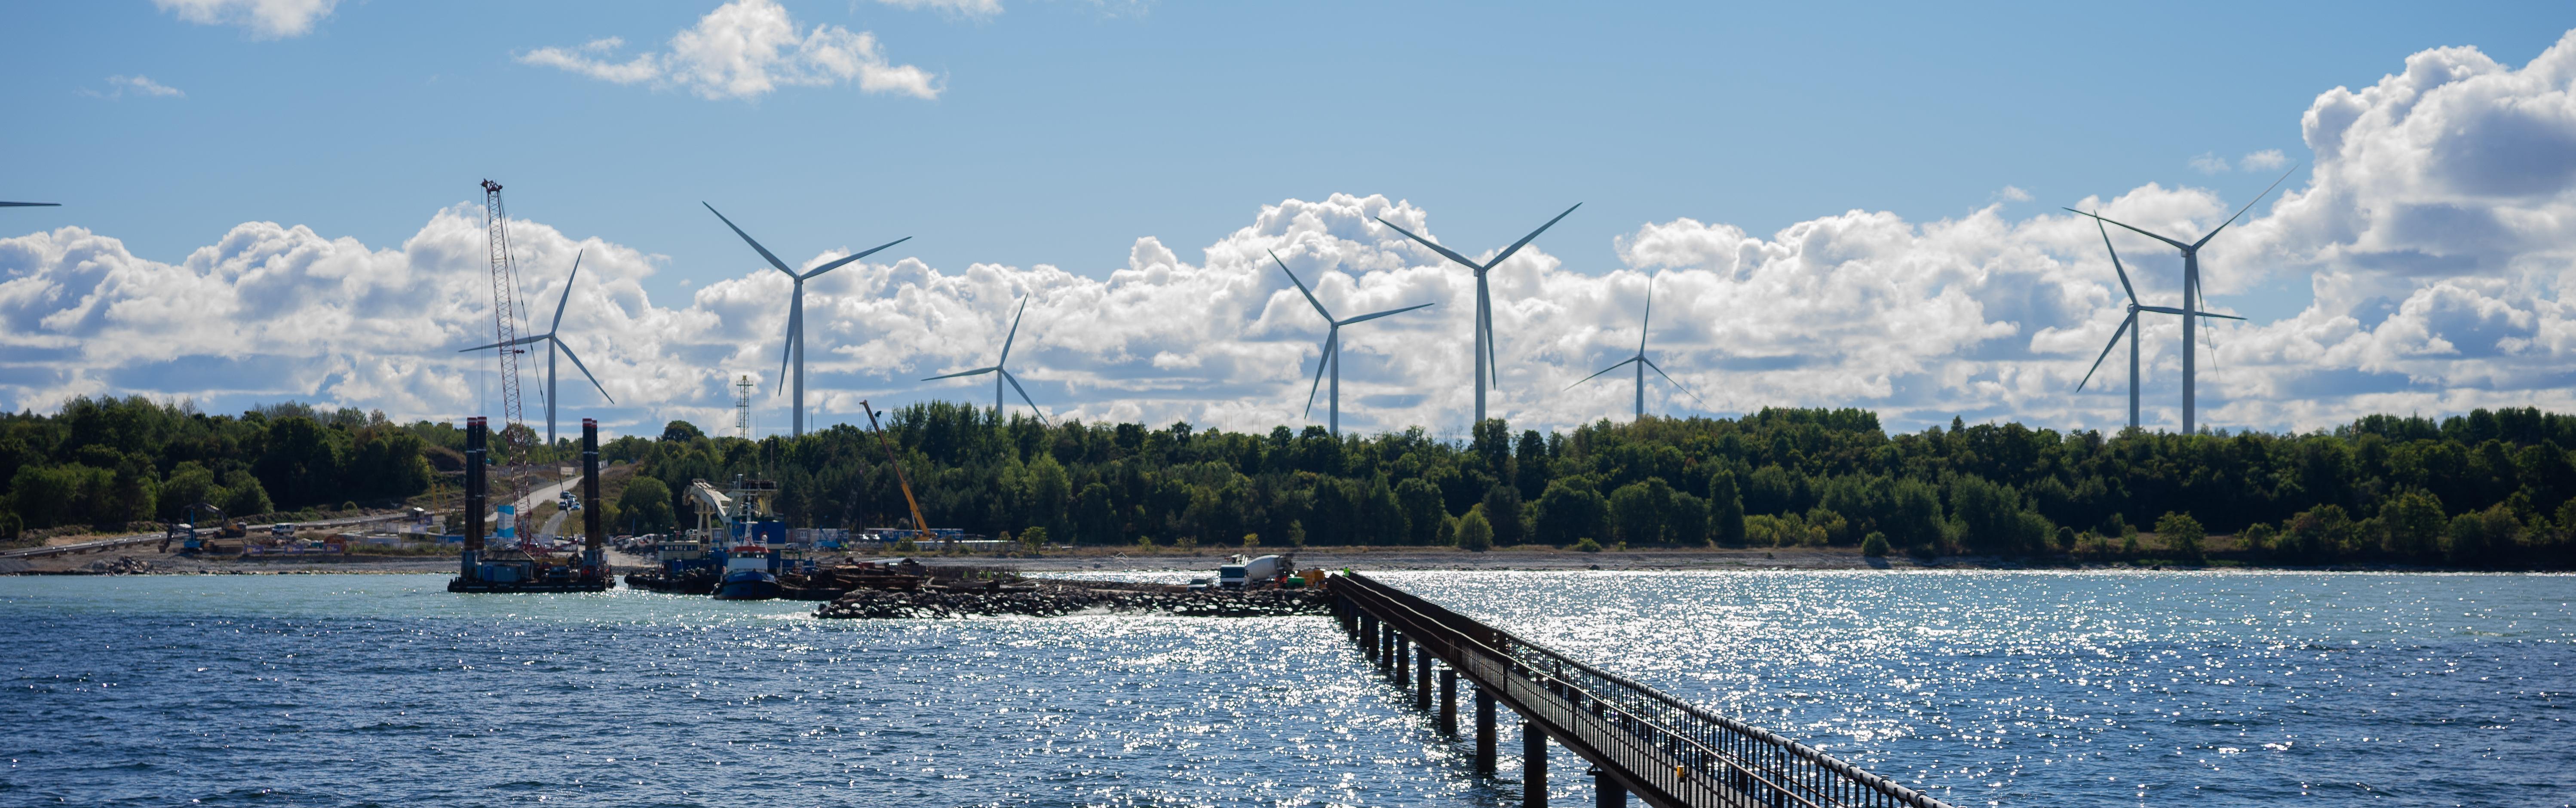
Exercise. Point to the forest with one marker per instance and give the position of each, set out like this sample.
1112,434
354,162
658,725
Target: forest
2490,488
2484,489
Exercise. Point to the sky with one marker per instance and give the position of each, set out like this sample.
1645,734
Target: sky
1851,205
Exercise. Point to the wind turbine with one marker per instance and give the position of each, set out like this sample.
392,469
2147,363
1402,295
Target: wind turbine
795,352
1001,375
2191,301
2129,323
1484,302
1331,361
554,343
30,204
1641,361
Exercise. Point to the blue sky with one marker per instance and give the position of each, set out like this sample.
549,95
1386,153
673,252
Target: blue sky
1061,133
1064,130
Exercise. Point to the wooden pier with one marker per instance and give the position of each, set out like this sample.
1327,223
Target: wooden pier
1639,741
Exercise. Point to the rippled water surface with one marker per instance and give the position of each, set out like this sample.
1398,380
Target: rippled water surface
1983,687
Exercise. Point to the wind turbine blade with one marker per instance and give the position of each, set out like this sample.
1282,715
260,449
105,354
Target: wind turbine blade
1525,240
1677,384
2106,350
567,294
795,333
2098,218
2171,310
746,237
1367,317
30,204
1615,366
1493,366
2115,260
1301,287
2249,205
1024,394
1443,251
975,372
1649,321
585,369
1330,344
1014,335
520,341
837,262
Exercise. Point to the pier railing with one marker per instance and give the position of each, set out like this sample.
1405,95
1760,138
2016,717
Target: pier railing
1665,751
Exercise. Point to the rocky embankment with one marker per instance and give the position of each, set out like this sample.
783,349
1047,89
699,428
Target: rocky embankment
1055,598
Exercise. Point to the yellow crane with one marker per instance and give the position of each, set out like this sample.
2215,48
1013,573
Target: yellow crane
919,525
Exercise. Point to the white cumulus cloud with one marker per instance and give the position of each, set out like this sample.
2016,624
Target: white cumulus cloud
747,49
269,19
2436,227
117,86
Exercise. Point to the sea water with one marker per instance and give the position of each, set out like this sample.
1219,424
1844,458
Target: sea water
2007,688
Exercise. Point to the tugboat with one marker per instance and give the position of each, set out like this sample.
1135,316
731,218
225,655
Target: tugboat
747,575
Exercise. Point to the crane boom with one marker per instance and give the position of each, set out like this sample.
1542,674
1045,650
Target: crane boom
919,525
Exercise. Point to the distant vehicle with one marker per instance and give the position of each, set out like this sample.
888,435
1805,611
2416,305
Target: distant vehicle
282,529
1197,584
1250,573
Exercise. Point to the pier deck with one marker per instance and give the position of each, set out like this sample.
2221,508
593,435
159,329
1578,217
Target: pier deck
1639,741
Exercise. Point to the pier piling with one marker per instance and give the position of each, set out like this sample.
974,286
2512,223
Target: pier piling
1533,765
1422,682
1484,730
1610,794
1449,701
1403,660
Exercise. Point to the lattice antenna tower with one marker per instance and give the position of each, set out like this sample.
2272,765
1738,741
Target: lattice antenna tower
742,406
506,324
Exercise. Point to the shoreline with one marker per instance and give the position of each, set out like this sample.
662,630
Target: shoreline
1093,560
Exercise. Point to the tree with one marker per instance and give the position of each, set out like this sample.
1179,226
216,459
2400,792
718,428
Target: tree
2414,525
1639,511
1571,509
646,504
1419,500
1874,545
681,432
1726,510
1503,510
1530,465
2183,535
1475,533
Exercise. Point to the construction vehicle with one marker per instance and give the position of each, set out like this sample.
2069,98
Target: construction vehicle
919,525
186,532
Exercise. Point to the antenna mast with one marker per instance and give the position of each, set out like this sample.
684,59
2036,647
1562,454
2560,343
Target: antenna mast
742,406
505,324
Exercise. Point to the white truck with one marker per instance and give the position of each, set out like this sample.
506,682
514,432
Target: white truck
1251,573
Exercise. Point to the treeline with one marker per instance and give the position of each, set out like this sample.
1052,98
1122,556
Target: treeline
107,462
2484,489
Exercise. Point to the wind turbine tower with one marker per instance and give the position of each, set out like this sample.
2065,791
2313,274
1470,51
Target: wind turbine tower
1484,348
2191,300
1000,374
30,204
554,343
2126,326
1331,360
795,353
1641,362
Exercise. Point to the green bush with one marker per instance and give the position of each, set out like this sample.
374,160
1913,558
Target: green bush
1874,545
1586,545
2182,535
1475,533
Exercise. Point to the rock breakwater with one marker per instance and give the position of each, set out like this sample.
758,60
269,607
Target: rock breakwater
1057,598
